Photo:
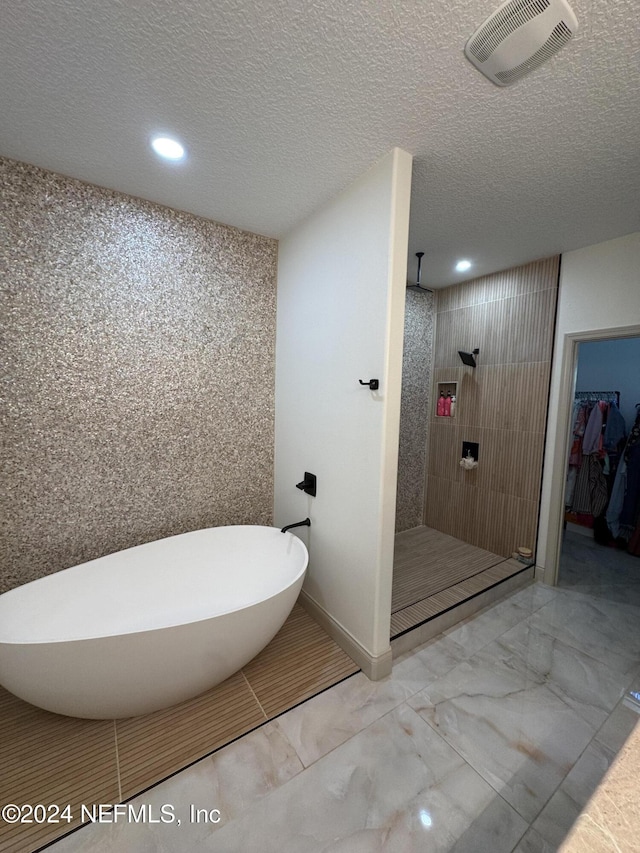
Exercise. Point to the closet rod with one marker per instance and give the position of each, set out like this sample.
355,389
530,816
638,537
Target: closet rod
597,395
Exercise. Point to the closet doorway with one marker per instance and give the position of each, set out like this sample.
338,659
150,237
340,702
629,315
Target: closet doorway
600,552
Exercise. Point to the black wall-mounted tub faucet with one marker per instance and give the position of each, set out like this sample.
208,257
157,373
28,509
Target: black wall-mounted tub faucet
305,523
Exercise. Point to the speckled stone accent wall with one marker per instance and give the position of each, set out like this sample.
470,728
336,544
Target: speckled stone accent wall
138,372
417,363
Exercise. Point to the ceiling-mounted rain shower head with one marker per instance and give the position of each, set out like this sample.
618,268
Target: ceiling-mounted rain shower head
417,285
468,357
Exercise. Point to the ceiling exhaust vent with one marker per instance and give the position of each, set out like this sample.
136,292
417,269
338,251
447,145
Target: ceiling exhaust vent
519,37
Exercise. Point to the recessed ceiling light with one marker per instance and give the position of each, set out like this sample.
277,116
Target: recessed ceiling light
167,148
463,266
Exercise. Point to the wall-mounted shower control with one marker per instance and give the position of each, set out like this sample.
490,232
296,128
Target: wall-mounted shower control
308,485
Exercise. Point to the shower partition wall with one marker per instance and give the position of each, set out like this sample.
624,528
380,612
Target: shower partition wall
417,366
326,420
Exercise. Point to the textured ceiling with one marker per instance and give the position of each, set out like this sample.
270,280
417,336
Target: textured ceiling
282,103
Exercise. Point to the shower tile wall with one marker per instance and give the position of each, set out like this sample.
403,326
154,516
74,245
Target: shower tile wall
138,372
501,404
417,365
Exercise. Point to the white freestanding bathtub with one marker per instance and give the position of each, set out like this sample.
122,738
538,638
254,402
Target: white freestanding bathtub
151,626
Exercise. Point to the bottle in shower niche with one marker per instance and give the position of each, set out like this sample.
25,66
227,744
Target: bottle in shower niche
440,409
452,412
447,406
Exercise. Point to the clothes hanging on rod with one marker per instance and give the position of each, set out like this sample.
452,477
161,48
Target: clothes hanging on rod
615,430
631,504
587,489
603,480
634,542
594,396
593,439
612,516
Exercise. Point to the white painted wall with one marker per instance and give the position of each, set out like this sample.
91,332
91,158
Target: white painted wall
599,297
341,291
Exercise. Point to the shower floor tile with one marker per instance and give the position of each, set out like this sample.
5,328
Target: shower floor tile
434,573
427,561
448,599
47,758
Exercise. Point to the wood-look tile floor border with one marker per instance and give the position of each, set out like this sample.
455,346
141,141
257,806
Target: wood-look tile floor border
47,758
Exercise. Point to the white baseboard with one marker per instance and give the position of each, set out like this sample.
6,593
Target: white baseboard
539,574
373,667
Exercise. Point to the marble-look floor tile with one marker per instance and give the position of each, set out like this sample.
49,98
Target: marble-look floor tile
533,597
396,787
487,832
586,684
475,633
510,727
608,631
624,593
533,842
584,561
329,719
603,572
509,731
563,809
110,838
609,820
616,730
422,665
230,781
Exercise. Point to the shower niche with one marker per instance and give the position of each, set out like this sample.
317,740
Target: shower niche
446,399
